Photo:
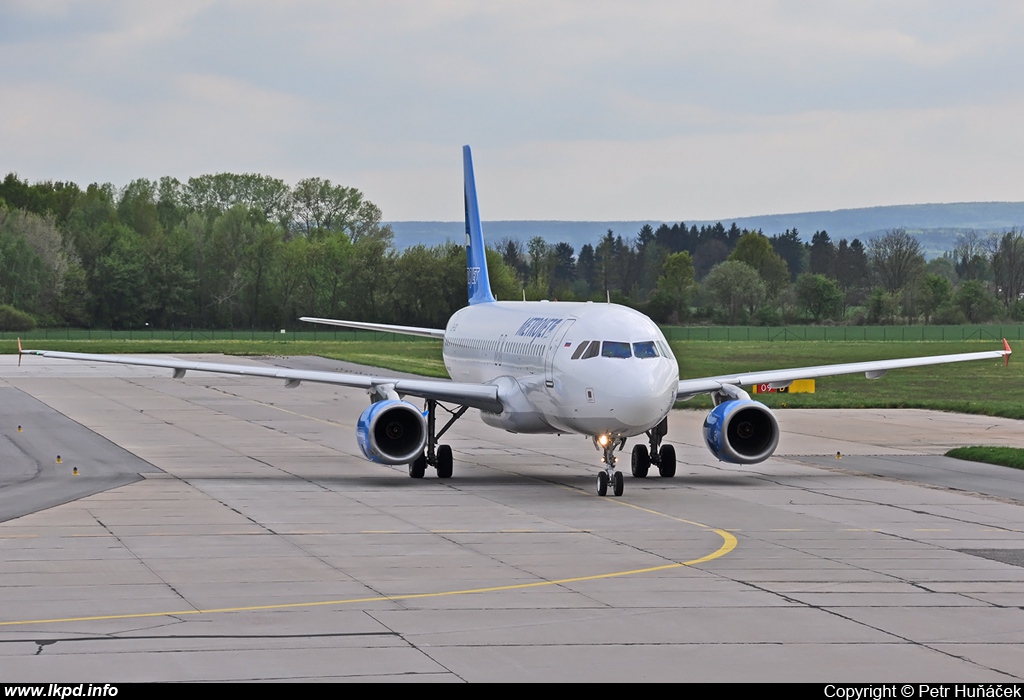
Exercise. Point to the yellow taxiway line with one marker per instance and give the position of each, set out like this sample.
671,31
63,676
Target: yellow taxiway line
728,544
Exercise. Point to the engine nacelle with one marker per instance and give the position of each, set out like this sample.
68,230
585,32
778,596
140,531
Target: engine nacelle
741,432
392,432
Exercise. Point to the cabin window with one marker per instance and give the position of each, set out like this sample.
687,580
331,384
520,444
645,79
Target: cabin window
645,349
613,348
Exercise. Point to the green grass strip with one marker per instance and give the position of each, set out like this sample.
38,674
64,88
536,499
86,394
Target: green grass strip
1003,456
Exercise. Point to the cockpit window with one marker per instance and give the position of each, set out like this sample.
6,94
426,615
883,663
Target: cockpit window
593,350
645,349
579,349
612,348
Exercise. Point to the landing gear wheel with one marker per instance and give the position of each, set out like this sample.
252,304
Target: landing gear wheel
667,463
444,462
437,456
641,461
617,484
602,483
418,467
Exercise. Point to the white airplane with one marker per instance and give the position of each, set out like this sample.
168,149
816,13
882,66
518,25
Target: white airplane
600,370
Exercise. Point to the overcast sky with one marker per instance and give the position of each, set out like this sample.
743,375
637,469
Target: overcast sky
586,110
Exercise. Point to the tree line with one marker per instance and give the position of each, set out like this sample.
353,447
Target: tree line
711,274
217,251
249,251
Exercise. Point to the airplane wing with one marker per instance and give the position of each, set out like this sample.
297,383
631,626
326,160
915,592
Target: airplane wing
382,327
776,379
482,396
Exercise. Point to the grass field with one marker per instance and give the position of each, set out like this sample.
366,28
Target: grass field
1003,456
985,387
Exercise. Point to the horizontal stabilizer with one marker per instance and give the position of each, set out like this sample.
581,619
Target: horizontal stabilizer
379,327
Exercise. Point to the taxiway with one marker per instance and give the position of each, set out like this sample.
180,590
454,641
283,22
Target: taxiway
234,532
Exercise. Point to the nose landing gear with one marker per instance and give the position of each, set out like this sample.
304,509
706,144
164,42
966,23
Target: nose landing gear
609,477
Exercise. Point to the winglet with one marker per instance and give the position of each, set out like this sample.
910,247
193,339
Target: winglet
1007,353
20,352
476,254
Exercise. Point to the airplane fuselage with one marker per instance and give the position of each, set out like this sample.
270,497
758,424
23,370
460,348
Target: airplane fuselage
579,367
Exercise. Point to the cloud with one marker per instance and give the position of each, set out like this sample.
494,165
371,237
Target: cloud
592,110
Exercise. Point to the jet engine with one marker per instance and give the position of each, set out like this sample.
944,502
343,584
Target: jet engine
741,431
392,432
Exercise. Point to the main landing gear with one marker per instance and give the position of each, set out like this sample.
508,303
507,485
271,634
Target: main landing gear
437,456
661,456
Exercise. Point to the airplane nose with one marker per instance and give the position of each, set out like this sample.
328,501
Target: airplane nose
644,394
639,413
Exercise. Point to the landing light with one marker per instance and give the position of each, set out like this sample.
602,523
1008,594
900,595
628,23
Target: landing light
602,440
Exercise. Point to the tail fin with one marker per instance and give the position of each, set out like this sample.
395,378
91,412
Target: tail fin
476,253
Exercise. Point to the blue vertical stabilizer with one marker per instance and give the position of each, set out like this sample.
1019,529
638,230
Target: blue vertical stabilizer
476,253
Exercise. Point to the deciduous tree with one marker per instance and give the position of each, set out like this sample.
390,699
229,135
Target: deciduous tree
1008,266
819,295
676,286
935,291
735,287
756,250
896,258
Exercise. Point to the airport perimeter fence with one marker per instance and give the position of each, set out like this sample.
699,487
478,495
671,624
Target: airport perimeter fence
688,333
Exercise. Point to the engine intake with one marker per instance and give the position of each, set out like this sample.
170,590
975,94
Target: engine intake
392,432
741,432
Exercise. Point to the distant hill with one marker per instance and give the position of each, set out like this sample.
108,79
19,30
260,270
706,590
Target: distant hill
936,225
